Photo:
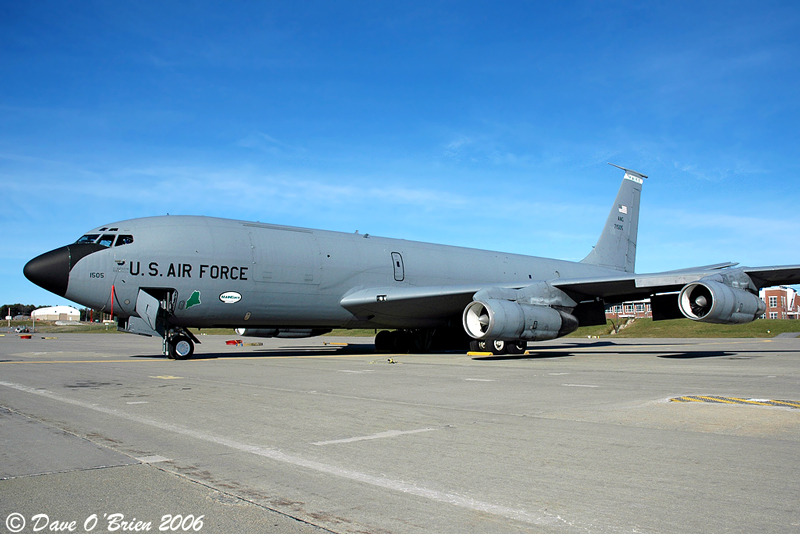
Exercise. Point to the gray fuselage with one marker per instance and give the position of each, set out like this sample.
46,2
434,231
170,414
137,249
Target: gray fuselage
235,273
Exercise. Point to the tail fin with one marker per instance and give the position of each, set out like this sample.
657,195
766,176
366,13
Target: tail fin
616,247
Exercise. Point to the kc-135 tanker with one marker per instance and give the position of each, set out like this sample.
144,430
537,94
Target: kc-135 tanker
162,275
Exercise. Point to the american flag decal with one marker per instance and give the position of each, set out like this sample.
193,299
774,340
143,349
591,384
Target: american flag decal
623,209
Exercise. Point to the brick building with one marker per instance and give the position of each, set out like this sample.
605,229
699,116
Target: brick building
634,309
782,303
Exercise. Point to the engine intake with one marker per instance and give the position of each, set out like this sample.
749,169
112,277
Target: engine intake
714,302
510,321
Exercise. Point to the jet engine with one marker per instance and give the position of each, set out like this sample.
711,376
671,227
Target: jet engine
282,332
510,321
714,302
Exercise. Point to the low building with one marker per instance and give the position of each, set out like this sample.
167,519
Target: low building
782,303
634,309
57,313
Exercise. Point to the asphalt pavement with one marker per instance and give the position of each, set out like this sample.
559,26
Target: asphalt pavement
103,434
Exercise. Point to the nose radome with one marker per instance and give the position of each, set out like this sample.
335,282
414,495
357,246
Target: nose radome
50,271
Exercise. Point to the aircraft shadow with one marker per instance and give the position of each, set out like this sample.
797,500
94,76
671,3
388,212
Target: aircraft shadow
292,352
550,353
672,355
529,356
693,355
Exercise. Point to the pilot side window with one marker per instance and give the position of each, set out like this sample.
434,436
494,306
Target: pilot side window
107,240
124,240
89,238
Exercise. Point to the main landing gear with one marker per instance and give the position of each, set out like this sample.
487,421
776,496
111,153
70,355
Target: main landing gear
498,346
421,340
427,339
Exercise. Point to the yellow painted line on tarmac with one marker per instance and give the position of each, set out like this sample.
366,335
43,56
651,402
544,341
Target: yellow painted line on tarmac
77,361
714,399
751,401
201,359
718,399
686,399
789,404
226,358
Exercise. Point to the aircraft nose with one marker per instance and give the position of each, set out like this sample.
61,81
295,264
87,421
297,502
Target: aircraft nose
50,270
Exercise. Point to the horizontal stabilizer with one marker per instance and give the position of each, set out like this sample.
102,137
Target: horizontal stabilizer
630,172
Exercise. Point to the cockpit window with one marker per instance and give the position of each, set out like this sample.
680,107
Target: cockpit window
107,240
89,238
124,240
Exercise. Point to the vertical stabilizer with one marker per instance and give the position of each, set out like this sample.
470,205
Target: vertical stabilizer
616,247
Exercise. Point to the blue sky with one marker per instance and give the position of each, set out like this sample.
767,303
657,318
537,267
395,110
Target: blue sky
480,124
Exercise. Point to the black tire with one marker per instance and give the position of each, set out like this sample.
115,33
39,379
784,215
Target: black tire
517,347
422,340
402,341
497,346
384,341
181,347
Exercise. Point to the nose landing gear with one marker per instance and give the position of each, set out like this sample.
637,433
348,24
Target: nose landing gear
179,344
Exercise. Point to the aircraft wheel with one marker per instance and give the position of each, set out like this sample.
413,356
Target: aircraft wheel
422,340
516,347
498,346
480,345
384,341
181,347
402,341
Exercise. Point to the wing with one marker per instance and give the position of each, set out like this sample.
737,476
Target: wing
411,307
784,275
416,307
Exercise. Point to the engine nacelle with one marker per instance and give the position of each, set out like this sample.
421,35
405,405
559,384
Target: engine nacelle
510,321
714,302
282,332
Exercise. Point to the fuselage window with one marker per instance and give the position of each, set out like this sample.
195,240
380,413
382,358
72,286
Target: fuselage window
89,238
124,240
107,240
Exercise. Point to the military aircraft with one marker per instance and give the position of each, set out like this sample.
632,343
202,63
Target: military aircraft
162,275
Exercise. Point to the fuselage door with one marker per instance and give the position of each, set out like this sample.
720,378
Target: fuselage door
399,270
147,307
